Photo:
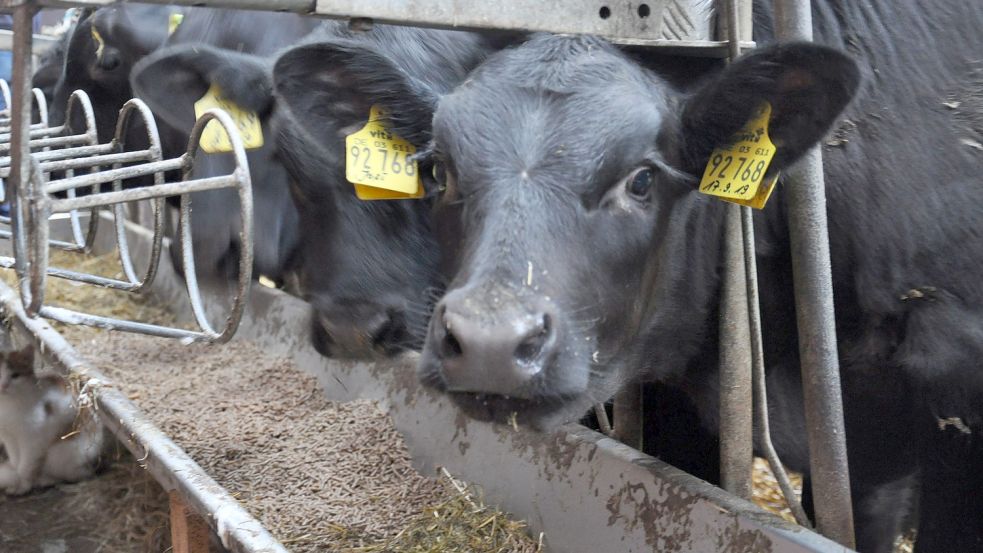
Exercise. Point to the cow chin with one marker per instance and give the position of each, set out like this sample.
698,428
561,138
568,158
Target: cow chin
542,413
556,401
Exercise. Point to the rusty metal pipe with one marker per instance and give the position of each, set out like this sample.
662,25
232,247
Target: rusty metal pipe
123,173
812,276
144,193
736,427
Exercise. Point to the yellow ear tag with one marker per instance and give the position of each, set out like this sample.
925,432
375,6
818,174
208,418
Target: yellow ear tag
735,173
173,22
214,140
100,44
378,163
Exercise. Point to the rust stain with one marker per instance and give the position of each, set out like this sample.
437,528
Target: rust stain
554,453
667,517
460,425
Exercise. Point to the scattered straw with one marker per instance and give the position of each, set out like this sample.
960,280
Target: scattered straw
766,493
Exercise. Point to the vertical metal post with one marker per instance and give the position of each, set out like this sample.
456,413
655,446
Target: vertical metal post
735,365
812,276
19,185
627,415
736,427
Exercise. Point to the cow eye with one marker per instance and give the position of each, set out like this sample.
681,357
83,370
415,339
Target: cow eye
440,177
639,183
444,179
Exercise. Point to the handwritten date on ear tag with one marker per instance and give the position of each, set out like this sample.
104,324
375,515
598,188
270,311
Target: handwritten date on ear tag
379,163
764,192
735,173
214,139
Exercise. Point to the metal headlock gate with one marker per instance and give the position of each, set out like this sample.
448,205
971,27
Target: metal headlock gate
42,161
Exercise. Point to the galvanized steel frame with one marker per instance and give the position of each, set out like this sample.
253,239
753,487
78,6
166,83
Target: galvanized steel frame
813,280
62,150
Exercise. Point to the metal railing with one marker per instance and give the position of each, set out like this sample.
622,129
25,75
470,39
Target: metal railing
69,161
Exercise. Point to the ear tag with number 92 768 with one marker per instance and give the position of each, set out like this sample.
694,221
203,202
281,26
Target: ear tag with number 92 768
214,140
378,162
735,173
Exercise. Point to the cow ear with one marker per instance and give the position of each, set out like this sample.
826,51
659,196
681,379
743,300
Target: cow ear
341,80
807,86
171,80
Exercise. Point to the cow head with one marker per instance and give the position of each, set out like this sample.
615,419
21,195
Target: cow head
369,266
101,51
570,216
189,70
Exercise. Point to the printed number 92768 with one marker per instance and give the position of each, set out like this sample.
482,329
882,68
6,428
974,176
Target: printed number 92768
375,163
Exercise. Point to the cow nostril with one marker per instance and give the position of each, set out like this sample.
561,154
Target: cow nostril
392,332
530,349
110,62
450,347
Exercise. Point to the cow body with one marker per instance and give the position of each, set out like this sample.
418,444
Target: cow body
582,257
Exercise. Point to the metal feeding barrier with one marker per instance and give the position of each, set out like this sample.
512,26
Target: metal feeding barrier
45,161
69,171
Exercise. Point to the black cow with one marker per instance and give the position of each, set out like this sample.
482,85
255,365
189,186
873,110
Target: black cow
368,267
101,62
51,63
582,256
171,91
127,33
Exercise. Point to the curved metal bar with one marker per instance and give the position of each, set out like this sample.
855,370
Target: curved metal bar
80,100
42,103
5,91
40,136
119,212
68,149
244,185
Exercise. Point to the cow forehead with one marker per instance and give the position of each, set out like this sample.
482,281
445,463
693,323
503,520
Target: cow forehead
568,104
581,138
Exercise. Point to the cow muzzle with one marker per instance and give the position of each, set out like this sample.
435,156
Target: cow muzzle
489,345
